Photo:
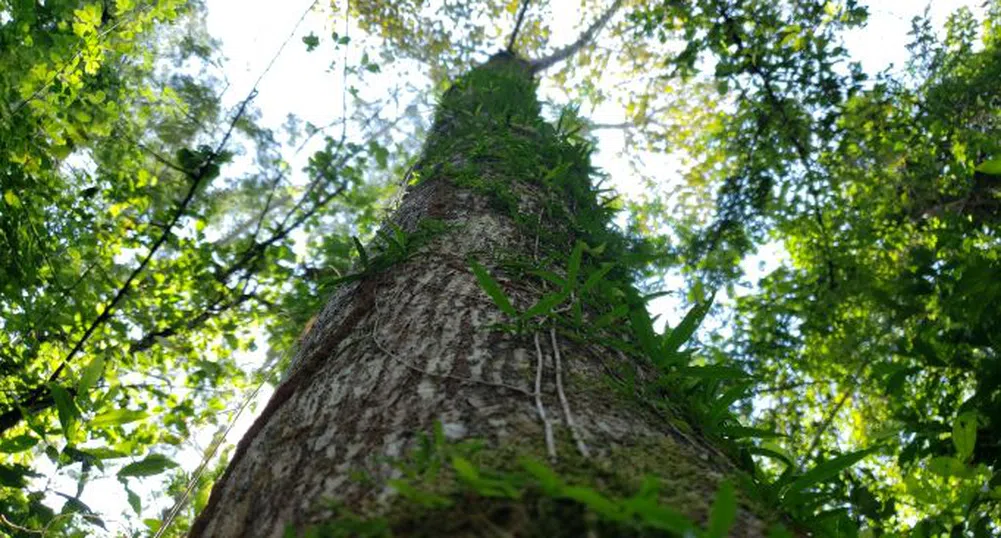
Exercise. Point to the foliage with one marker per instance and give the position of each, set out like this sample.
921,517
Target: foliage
133,263
858,383
878,327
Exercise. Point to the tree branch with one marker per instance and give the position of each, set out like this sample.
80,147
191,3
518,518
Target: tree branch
517,26
585,38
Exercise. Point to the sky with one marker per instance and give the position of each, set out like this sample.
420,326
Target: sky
304,84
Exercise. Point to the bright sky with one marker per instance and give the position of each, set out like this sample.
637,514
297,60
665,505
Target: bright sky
304,84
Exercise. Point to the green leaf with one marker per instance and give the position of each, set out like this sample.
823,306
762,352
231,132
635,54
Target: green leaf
151,465
595,501
991,167
608,317
573,266
134,501
546,304
17,444
964,435
547,478
771,453
741,432
723,512
117,416
91,373
596,276
674,339
714,372
311,42
12,199
492,288
948,466
15,475
424,498
642,326
653,515
721,405
465,469
361,252
66,409
827,470
550,276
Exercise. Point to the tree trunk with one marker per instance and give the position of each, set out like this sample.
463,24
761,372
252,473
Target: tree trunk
416,359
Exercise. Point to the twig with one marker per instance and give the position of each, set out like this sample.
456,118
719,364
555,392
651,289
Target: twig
15,526
581,447
517,25
550,444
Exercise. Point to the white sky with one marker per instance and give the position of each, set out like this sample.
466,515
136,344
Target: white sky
300,83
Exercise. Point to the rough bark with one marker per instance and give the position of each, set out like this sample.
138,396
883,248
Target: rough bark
419,343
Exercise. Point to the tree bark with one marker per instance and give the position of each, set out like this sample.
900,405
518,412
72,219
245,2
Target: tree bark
416,342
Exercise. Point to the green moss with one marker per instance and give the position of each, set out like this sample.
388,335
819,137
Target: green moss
467,490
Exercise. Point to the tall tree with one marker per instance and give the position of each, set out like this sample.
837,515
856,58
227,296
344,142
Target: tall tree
476,342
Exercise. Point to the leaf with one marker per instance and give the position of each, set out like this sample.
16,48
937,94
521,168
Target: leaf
770,453
596,276
595,501
153,464
642,326
991,167
828,469
311,42
674,339
573,266
117,416
964,435
546,304
723,512
721,405
492,288
12,199
65,408
361,252
74,505
714,372
547,478
91,373
948,466
80,456
608,317
134,501
465,469
14,475
740,432
19,443
424,498
552,277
